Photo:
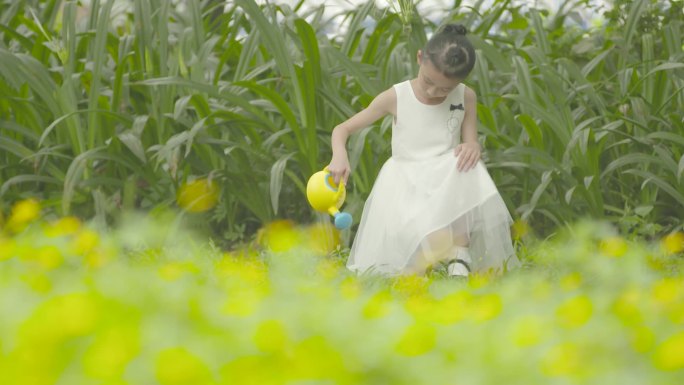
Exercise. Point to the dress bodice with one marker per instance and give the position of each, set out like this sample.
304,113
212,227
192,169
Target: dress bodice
422,130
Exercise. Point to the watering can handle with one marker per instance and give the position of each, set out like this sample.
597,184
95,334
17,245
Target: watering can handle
341,182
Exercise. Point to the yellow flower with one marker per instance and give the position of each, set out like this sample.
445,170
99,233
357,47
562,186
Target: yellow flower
111,351
642,339
668,290
411,285
271,336
62,317
453,308
613,247
47,257
520,228
86,240
198,196
527,331
418,339
314,359
177,366
378,305
350,288
562,360
172,271
63,226
329,268
38,282
279,236
243,303
575,312
23,213
256,370
486,307
246,269
7,248
626,306
669,355
571,281
673,243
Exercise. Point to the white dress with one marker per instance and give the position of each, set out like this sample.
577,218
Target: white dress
421,207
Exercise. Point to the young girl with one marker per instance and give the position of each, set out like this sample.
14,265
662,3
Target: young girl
433,200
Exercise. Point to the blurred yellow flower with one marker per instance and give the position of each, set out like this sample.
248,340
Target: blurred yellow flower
256,370
453,307
421,307
315,358
279,236
38,282
47,257
675,312
519,229
626,306
673,243
62,317
571,281
486,307
7,248
198,195
378,305
172,271
669,355
613,247
642,339
329,268
85,241
480,279
178,366
63,226
350,288
418,339
271,336
243,303
244,269
111,351
575,312
564,359
411,285
527,331
23,212
668,290
97,258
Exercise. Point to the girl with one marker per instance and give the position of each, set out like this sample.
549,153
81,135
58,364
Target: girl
433,199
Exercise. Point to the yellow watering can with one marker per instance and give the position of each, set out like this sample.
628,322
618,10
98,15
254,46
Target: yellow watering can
326,196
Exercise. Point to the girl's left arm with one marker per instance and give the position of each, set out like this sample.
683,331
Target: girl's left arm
469,151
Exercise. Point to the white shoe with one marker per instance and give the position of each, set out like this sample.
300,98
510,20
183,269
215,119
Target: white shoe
460,266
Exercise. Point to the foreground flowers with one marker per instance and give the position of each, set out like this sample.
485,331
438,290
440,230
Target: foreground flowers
145,304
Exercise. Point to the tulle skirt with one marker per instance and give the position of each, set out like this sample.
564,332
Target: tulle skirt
420,212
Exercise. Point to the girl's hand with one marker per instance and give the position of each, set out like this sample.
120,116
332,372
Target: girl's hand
468,155
339,169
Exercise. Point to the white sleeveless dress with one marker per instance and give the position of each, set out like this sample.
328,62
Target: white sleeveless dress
421,207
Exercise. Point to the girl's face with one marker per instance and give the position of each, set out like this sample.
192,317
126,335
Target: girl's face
432,82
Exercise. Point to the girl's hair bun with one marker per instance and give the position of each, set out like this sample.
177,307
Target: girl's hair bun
457,29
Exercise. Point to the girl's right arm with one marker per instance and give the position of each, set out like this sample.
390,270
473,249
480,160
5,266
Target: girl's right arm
383,104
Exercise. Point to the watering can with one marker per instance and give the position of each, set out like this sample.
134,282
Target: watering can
326,196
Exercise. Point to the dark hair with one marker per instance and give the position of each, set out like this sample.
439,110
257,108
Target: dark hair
451,52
